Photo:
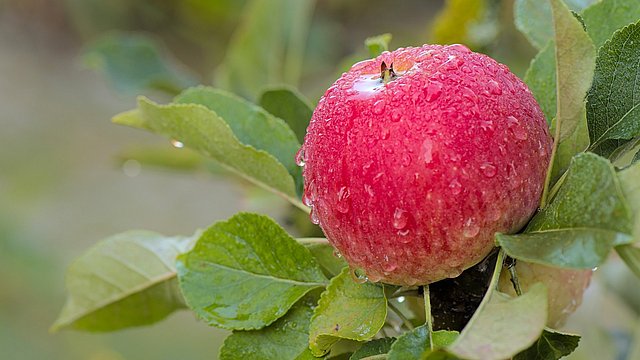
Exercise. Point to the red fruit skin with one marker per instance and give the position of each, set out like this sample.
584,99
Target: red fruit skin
409,180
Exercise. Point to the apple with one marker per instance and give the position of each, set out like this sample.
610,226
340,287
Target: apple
565,287
414,159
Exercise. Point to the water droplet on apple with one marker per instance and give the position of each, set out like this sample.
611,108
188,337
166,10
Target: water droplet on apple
369,190
433,90
300,157
400,219
359,276
314,216
488,170
343,200
494,87
427,151
385,133
378,107
516,128
470,229
388,266
455,187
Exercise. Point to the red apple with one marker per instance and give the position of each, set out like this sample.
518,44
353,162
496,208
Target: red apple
414,159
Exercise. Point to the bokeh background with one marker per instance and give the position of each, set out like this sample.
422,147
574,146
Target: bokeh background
68,177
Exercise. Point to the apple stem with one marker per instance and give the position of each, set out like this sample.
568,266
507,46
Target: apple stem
386,73
510,263
427,314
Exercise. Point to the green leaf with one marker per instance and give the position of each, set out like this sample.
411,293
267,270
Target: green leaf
413,344
606,16
533,19
347,310
246,272
636,157
575,62
373,347
289,105
552,345
287,338
574,144
541,80
126,280
577,248
166,157
587,216
205,131
503,326
134,63
456,22
377,44
251,124
325,256
613,107
629,179
267,47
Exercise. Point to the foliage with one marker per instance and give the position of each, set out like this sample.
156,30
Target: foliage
292,298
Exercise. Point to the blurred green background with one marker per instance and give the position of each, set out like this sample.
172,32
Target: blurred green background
63,185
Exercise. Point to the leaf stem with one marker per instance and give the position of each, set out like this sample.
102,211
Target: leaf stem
511,265
427,314
547,180
404,319
311,240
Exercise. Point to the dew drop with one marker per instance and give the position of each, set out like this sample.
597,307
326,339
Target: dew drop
488,170
427,151
378,107
400,219
300,157
385,134
395,116
455,187
400,299
309,195
494,214
369,190
433,91
314,217
494,87
343,200
359,276
388,266
470,229
336,253
516,128
403,236
177,144
486,125
406,159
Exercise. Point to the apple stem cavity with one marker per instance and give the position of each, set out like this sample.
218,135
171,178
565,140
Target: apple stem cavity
387,73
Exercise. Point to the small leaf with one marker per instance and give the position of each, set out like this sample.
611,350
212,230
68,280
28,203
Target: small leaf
377,44
126,280
347,310
134,63
267,47
373,347
502,326
287,338
541,80
575,62
587,216
413,344
250,124
552,345
289,105
205,131
613,109
325,256
606,16
246,272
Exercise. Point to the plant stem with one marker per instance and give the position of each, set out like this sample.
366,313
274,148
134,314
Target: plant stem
514,278
427,314
310,240
404,319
